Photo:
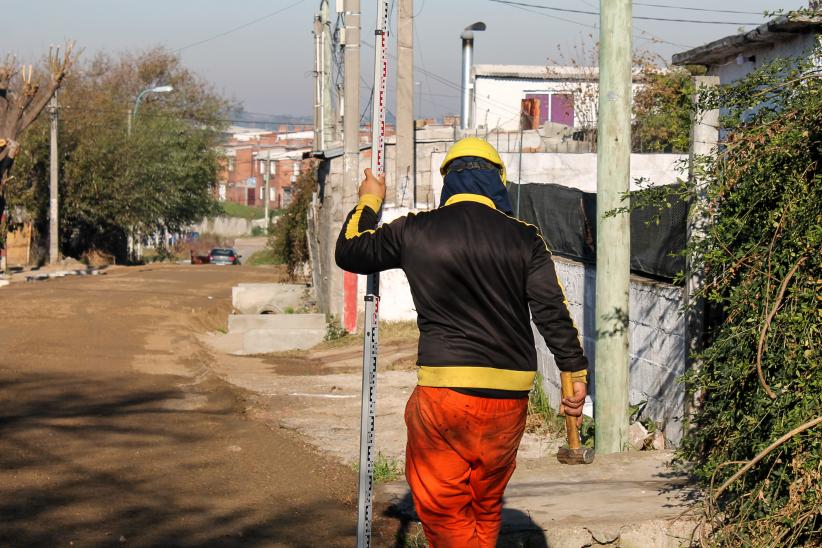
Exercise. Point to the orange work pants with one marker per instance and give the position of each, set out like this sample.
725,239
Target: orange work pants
460,455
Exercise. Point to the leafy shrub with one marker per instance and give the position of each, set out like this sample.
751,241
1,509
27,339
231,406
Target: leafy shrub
751,442
288,236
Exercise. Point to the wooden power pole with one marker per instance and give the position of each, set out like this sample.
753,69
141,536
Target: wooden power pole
351,106
54,219
613,233
405,104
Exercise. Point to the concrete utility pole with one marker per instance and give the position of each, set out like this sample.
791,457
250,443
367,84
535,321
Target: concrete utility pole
704,138
54,226
405,104
613,233
318,114
351,106
326,105
266,178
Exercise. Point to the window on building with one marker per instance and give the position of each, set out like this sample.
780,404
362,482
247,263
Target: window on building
262,166
272,194
554,107
222,191
231,160
272,166
262,193
296,167
286,196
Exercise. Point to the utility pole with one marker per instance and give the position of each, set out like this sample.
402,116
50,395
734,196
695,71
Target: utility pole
351,107
266,177
405,104
318,115
613,233
704,139
326,108
54,227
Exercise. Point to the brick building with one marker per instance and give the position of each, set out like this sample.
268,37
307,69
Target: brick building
246,154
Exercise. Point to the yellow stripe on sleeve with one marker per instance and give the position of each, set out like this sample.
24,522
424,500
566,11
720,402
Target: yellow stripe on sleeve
352,229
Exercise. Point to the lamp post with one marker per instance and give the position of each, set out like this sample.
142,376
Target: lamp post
133,113
467,37
129,121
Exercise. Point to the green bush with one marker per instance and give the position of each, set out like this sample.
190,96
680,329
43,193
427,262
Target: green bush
288,236
758,378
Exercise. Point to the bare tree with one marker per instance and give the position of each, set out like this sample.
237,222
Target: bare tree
22,98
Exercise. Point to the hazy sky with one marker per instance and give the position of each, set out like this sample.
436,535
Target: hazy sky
267,65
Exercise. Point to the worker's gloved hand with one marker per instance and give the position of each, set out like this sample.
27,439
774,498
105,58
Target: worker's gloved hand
372,185
572,406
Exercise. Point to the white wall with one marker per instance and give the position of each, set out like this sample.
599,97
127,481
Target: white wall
574,170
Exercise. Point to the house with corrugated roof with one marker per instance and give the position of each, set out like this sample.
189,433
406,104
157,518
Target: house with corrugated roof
733,57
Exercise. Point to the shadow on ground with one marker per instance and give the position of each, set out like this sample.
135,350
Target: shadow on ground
126,459
518,529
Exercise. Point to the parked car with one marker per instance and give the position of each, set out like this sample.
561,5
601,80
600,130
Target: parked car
223,255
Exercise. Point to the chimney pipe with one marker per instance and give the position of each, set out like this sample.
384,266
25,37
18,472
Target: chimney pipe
467,88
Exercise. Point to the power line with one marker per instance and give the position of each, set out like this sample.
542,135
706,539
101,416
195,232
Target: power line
239,27
652,38
696,9
584,12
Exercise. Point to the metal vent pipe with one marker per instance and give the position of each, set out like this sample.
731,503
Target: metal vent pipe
467,88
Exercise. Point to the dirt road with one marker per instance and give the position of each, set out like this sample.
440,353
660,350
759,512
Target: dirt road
113,430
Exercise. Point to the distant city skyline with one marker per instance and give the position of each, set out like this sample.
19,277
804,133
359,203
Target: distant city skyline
266,63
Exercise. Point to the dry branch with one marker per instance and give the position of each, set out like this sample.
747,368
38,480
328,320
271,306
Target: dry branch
764,332
798,430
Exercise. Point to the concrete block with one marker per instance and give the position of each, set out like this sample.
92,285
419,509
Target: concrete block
258,298
262,341
247,322
636,436
654,345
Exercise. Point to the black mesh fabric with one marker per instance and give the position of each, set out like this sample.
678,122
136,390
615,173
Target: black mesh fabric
567,219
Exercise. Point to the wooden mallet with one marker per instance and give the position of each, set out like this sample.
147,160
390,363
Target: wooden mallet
573,453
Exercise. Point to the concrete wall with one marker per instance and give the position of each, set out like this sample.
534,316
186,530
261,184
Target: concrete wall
228,227
656,332
657,342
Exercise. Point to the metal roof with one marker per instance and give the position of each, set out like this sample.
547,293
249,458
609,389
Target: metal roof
776,30
537,72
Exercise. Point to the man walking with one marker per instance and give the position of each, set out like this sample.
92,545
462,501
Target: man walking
477,277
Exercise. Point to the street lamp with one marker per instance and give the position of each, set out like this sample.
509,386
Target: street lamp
467,37
130,120
155,89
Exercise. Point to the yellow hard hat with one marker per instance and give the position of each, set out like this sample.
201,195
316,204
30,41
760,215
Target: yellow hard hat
474,146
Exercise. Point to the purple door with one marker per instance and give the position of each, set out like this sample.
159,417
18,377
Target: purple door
562,109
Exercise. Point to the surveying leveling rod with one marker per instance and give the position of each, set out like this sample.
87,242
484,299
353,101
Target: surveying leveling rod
372,295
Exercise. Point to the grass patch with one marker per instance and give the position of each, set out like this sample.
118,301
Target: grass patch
264,257
232,209
542,419
389,332
385,468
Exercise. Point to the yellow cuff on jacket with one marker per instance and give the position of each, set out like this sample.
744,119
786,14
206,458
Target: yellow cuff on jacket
466,376
370,201
580,376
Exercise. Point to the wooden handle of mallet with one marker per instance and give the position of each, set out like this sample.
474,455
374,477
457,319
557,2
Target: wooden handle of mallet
570,422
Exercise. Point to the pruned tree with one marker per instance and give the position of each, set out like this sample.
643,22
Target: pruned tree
22,98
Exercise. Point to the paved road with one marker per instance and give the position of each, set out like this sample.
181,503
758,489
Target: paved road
114,432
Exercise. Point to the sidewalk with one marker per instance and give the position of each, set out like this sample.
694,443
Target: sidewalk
629,500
